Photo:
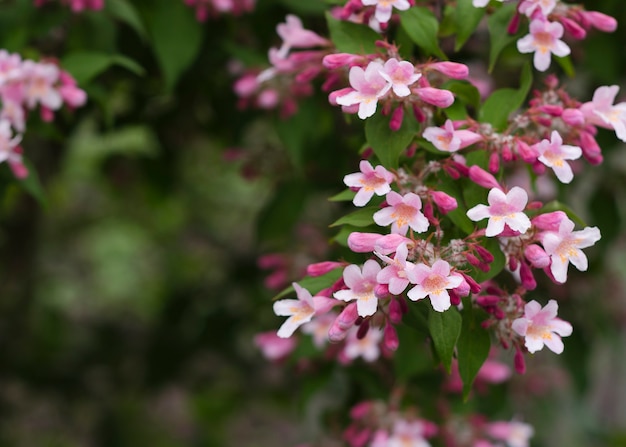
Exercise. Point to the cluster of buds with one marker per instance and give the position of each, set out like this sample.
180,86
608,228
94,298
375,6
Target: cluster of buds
211,8
76,5
24,86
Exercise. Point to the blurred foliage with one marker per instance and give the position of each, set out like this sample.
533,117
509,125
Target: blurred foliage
130,290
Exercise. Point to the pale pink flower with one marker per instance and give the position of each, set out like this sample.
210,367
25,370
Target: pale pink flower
543,40
528,7
367,347
447,139
553,153
503,209
384,7
369,242
400,75
601,111
39,85
433,282
274,347
565,246
299,311
540,326
369,85
403,212
481,3
370,181
295,36
395,273
407,434
515,434
9,149
361,286
318,328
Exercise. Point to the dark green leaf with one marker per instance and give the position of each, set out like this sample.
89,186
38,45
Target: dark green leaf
313,284
566,65
344,196
423,27
444,328
176,38
501,103
282,211
387,144
84,66
473,346
465,91
412,357
498,25
126,12
466,17
351,37
358,218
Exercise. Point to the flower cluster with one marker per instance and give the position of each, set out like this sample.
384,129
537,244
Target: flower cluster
208,8
24,86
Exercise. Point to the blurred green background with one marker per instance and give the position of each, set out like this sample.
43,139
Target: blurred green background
129,285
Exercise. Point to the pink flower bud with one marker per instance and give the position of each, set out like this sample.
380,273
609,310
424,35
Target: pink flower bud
549,221
396,118
363,242
513,24
321,268
338,60
389,243
526,276
390,337
436,97
381,291
246,86
363,329
274,347
418,113
473,285
494,162
332,96
573,28
591,150
573,117
537,257
519,362
551,109
268,99
361,410
487,300
18,168
600,21
482,178
453,70
464,288
395,311
444,202
484,253
455,299
526,152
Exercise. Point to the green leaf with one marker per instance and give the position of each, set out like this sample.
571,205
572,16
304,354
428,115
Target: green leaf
466,17
498,25
126,12
412,357
176,38
387,144
465,91
344,196
351,37
501,103
444,328
86,65
566,65
359,218
422,26
313,284
472,348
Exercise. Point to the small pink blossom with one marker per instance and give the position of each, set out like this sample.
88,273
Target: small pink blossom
295,36
384,8
543,40
448,139
403,212
407,434
540,326
400,75
503,209
39,85
368,86
369,181
299,311
318,328
553,153
395,273
9,149
528,7
433,282
361,287
601,111
367,347
515,434
565,246
274,347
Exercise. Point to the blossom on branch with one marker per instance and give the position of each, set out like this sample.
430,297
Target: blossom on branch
361,287
403,212
543,40
433,282
540,326
503,209
367,87
369,181
553,153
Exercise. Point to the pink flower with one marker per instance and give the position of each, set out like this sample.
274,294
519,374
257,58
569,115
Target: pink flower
543,40
369,85
433,282
528,7
9,149
361,286
295,36
384,7
553,154
565,246
318,328
367,347
503,209
39,85
515,434
299,311
541,327
448,139
274,347
370,181
407,434
601,111
403,212
400,75
395,273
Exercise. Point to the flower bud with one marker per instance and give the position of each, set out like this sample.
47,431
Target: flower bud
436,97
453,70
395,311
526,276
396,119
591,149
390,337
338,60
573,28
573,117
444,202
600,21
549,221
321,268
482,177
519,362
332,96
537,256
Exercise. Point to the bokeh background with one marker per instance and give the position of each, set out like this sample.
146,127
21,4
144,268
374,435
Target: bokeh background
130,283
